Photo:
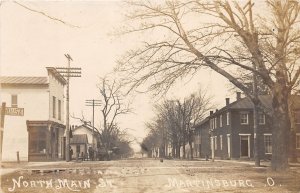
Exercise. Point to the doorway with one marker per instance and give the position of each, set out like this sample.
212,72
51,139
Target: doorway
245,151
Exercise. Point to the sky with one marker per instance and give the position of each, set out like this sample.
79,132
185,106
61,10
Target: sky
29,42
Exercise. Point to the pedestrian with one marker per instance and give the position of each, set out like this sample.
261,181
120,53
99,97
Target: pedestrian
91,153
71,153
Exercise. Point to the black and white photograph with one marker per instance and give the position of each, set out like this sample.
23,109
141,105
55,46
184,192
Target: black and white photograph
144,96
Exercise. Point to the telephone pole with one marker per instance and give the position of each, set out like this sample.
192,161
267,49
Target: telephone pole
68,72
93,103
248,8
2,128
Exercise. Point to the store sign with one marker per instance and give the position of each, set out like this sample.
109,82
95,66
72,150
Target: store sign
12,111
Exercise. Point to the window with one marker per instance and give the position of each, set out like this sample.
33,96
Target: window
268,143
54,106
14,101
261,118
216,147
298,141
37,141
215,122
297,117
221,142
221,121
59,109
211,124
244,118
227,118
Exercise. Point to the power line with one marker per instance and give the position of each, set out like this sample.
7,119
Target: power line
68,72
93,103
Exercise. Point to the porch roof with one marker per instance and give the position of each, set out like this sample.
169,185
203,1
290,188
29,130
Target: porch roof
79,139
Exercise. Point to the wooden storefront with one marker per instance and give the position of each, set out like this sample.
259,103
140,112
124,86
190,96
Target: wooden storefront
45,140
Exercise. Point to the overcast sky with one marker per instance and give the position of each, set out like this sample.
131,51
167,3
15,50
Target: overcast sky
30,42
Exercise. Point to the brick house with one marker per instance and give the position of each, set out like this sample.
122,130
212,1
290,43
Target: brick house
231,134
202,145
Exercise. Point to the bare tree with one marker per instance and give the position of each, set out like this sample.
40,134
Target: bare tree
44,14
174,122
234,41
193,108
113,106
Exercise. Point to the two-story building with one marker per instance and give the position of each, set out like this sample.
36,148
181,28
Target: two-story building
231,133
38,135
201,136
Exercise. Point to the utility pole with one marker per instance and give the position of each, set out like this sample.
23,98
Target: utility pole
2,127
256,132
93,103
68,72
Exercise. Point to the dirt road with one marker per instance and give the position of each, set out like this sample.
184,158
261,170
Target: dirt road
150,176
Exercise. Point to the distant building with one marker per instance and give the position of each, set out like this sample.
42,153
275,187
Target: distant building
93,138
79,146
201,140
228,133
38,135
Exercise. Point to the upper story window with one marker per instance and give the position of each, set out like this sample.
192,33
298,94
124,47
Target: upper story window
297,117
215,122
244,118
227,118
59,109
211,121
298,141
14,101
261,118
221,121
54,107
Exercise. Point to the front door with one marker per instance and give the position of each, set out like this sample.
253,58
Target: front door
228,146
244,146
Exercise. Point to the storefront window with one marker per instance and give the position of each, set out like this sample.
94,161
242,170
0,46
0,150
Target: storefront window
37,143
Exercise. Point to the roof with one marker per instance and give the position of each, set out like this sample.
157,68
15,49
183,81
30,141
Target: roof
24,80
246,103
79,138
201,122
266,100
88,127
56,74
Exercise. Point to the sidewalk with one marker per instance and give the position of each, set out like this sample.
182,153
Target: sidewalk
15,166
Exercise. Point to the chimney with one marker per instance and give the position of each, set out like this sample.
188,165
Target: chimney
227,101
216,110
211,112
238,96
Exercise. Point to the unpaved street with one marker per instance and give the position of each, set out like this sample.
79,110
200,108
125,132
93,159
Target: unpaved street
145,175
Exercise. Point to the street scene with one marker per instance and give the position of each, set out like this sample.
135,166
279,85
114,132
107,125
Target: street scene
150,96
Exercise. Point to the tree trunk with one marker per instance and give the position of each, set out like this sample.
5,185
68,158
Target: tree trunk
191,150
256,136
281,128
178,151
183,148
174,146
